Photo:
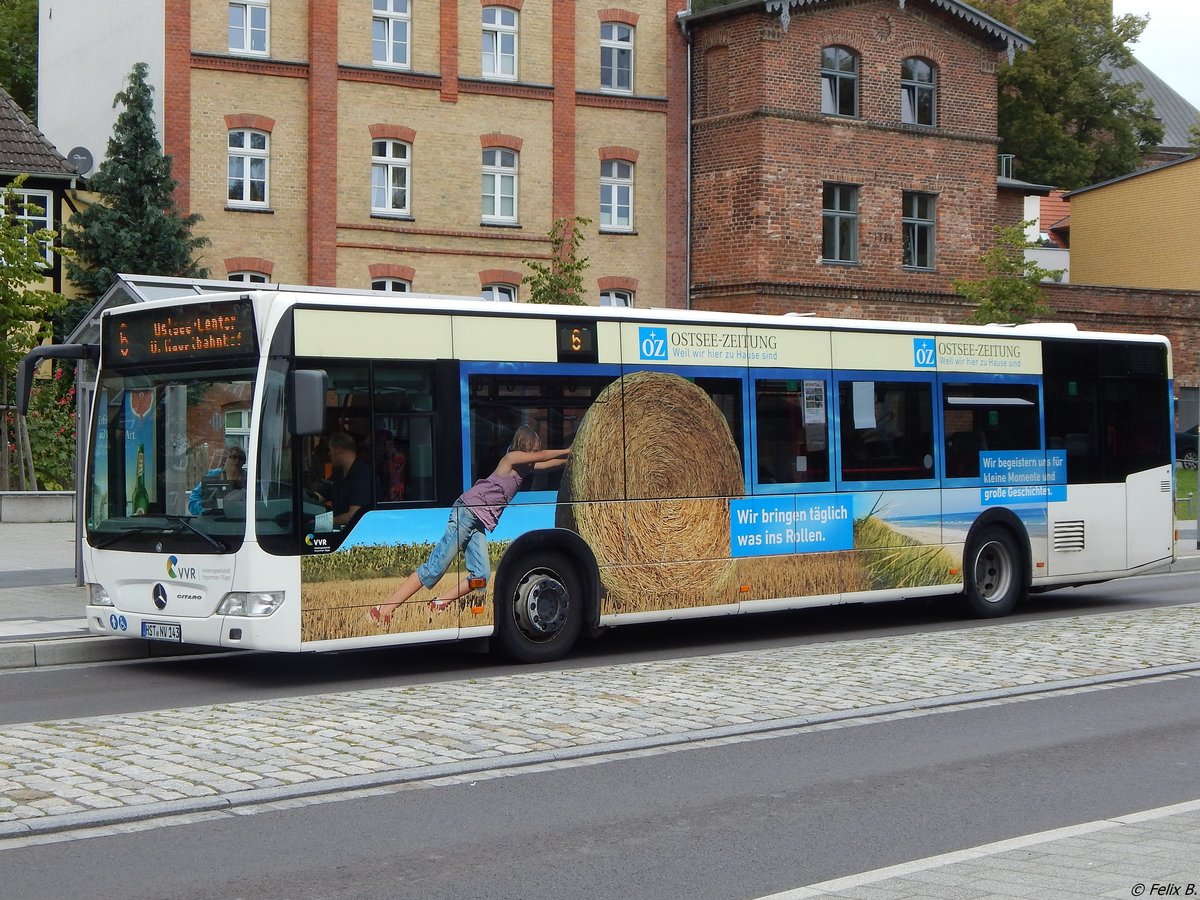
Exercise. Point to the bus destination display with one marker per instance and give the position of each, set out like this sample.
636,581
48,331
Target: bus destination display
199,331
577,341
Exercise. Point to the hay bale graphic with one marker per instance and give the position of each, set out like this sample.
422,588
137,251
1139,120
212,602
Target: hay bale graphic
659,441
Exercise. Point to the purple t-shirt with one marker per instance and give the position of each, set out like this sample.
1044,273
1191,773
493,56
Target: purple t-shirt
487,497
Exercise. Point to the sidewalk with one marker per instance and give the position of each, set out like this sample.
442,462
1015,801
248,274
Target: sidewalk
90,773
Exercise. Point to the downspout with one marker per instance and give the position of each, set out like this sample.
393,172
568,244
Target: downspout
687,156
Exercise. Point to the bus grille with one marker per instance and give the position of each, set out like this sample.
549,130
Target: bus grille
1068,536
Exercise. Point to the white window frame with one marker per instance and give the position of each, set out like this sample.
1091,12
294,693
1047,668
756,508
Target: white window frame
616,195
500,292
394,19
501,176
245,158
616,298
44,200
237,427
249,10
616,41
391,285
499,23
385,168
249,277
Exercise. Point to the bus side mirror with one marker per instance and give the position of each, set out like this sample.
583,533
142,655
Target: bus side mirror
306,400
48,351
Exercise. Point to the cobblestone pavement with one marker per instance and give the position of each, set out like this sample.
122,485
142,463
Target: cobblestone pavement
94,771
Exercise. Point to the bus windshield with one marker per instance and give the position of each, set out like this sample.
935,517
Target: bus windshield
168,463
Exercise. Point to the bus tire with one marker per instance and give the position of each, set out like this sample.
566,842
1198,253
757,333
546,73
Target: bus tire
992,578
539,608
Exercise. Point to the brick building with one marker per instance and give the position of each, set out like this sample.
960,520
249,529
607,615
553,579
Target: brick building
411,144
844,154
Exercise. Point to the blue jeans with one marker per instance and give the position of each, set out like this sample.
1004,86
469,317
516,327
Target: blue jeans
463,530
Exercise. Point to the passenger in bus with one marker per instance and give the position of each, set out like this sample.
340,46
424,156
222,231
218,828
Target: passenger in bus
353,485
226,482
474,514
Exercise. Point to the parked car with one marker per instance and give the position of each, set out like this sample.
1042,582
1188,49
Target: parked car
1185,447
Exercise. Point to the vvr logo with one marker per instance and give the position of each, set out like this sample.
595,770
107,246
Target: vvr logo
924,353
174,570
652,343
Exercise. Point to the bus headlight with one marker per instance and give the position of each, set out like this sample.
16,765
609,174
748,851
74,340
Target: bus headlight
250,603
97,595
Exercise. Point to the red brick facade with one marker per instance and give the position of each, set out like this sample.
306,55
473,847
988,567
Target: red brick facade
763,149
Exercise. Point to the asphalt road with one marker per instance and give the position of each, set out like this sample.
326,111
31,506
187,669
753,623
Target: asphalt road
737,820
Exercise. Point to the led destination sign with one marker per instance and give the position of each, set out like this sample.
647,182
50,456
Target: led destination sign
195,331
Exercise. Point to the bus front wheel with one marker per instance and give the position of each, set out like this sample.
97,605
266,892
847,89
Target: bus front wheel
539,611
993,581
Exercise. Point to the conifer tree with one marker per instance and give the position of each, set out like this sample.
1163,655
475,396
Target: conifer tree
136,227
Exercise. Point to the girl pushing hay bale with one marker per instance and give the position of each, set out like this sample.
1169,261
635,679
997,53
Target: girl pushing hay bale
653,465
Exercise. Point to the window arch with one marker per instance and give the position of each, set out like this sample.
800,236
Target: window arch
918,92
839,81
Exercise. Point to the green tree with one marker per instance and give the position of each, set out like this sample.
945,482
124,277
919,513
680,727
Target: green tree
562,280
136,227
1194,137
25,311
1011,291
19,52
1063,117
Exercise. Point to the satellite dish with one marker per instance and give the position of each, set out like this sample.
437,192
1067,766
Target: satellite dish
81,160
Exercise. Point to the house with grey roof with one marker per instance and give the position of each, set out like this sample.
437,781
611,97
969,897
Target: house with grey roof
24,150
1176,114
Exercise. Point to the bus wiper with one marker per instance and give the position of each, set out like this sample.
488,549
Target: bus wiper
183,520
120,535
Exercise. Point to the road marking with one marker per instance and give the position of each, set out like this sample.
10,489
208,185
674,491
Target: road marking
851,882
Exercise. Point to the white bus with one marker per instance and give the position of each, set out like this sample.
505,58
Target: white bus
718,465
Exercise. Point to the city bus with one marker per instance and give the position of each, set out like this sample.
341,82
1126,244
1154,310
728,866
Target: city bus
705,464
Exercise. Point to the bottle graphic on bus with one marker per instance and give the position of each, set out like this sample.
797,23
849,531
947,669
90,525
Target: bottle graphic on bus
140,501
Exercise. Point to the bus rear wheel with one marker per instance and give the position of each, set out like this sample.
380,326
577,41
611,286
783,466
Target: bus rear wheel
539,609
993,581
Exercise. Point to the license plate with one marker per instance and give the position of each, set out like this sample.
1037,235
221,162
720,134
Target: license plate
162,631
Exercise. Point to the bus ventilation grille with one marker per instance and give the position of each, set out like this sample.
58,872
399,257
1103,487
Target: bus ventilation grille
1068,536
1165,487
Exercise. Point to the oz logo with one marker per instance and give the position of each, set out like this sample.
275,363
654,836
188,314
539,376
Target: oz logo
924,353
652,343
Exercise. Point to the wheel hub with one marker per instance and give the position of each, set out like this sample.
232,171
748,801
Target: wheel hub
541,606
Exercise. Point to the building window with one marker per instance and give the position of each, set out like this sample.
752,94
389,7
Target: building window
616,57
34,209
839,82
391,285
248,167
499,185
248,27
503,292
390,23
499,42
616,195
918,92
839,220
248,277
389,177
918,230
616,298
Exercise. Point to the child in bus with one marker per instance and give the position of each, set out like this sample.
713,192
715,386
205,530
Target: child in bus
474,514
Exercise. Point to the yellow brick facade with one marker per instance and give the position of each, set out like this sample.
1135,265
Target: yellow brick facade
443,240
1140,231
